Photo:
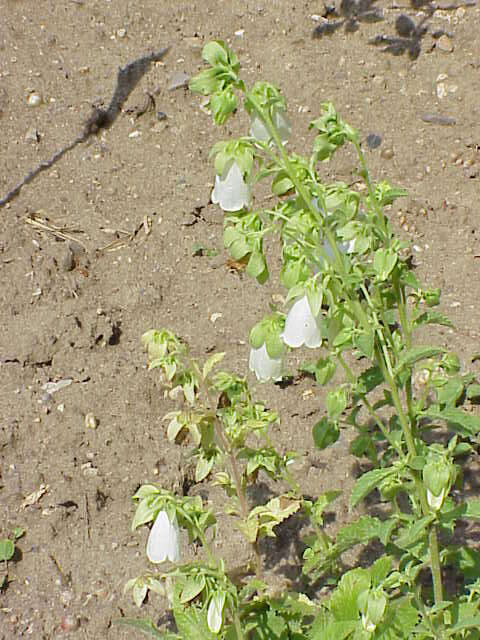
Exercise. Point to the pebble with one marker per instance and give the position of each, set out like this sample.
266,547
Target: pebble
373,140
121,33
91,421
444,43
436,118
69,623
178,80
441,90
387,154
68,260
34,99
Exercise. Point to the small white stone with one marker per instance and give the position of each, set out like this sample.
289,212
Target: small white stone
91,421
215,316
240,33
34,99
441,90
121,33
134,134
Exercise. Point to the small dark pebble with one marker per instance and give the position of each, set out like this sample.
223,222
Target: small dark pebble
436,118
373,141
161,115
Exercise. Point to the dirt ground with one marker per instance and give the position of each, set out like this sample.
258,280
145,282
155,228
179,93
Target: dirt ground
133,203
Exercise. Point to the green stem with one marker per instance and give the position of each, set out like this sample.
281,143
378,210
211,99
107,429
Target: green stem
373,414
435,566
227,451
371,193
238,626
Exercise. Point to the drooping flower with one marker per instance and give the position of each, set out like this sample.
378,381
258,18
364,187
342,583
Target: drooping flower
301,327
280,119
231,191
163,540
265,367
215,612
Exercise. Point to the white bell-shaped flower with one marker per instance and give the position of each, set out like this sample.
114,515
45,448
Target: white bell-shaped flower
265,367
215,612
280,119
301,328
231,191
163,540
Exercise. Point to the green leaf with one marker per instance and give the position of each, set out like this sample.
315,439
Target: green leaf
212,361
473,391
368,380
413,533
193,586
344,600
335,403
415,354
364,529
323,370
256,266
18,532
368,482
325,433
433,317
281,184
449,392
147,626
465,623
203,467
365,343
7,549
466,423
384,262
192,624
473,509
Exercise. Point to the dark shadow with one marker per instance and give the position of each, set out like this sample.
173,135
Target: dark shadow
349,16
408,33
127,79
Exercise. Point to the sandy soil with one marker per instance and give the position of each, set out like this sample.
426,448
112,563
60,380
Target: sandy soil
133,203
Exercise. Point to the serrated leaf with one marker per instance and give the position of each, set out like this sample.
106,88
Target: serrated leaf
433,317
212,361
344,600
415,354
367,483
192,624
364,529
414,532
466,423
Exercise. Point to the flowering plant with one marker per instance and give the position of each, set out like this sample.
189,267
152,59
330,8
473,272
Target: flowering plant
352,292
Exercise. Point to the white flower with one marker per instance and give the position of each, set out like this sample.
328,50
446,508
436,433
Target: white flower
259,131
343,247
265,367
435,502
215,612
231,191
163,540
301,327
